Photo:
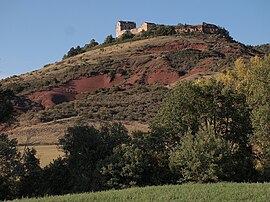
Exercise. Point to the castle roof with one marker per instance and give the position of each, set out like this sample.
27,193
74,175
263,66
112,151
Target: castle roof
121,21
151,23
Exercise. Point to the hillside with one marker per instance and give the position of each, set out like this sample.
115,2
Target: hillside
185,192
264,48
120,82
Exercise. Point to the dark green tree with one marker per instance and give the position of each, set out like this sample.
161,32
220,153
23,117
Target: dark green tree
10,168
203,157
91,44
109,39
159,30
126,35
6,108
31,179
85,147
56,178
193,106
140,162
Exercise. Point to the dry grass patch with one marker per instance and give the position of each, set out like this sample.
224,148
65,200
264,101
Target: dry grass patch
45,153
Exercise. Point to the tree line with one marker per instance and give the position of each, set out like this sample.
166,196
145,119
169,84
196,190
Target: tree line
208,130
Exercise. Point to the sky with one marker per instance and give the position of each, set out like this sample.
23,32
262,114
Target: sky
34,33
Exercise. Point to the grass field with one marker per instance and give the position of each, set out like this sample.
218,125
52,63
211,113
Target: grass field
44,136
46,153
186,192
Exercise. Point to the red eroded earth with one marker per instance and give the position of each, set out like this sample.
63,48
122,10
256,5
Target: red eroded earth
74,89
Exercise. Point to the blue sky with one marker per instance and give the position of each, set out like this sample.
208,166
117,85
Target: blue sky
35,32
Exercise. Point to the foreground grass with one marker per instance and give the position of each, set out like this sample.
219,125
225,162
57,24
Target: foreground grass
186,192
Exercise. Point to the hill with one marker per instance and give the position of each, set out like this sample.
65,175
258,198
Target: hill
185,192
118,82
265,48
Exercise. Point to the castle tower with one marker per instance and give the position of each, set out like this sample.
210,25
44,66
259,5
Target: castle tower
122,26
146,26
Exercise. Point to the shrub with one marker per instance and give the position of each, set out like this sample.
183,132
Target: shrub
109,39
204,157
126,35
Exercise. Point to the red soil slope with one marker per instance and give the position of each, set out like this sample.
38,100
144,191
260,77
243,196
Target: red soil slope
74,89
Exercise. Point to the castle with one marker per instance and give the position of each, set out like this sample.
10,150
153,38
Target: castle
201,28
123,26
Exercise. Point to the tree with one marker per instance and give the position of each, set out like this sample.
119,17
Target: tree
159,30
56,178
139,162
19,174
252,79
205,157
126,35
10,168
85,147
193,106
31,179
225,33
90,45
109,39
6,108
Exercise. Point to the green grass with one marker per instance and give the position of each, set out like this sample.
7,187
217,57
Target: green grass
186,192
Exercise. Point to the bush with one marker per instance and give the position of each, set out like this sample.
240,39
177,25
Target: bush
126,35
91,44
6,108
109,39
192,107
205,157
73,51
140,162
159,30
85,147
19,174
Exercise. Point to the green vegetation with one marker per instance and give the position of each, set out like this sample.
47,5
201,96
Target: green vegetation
203,158
109,39
224,32
265,48
159,30
78,50
18,173
252,79
207,108
6,108
114,104
185,192
187,59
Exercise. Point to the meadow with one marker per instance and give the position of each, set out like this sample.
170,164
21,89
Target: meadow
186,192
45,153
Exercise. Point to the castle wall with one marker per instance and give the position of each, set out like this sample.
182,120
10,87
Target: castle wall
210,28
189,28
122,27
203,28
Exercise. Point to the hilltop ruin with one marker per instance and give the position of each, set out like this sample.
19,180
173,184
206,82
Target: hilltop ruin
123,26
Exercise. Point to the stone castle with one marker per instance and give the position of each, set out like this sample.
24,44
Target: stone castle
123,26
